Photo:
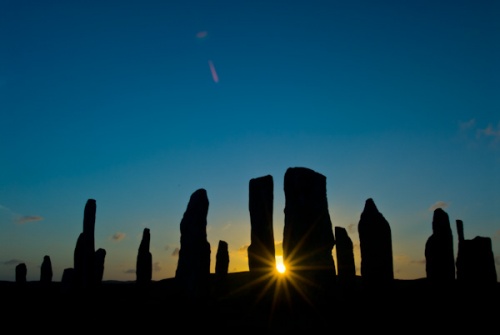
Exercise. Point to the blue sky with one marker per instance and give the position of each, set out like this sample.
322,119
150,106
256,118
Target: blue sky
138,104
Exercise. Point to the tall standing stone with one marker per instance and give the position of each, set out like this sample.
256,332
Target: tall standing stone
221,267
439,255
100,257
375,243
475,262
345,258
193,267
84,255
46,270
261,252
144,265
222,260
308,238
21,273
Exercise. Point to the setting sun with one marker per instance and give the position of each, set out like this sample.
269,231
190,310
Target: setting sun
280,267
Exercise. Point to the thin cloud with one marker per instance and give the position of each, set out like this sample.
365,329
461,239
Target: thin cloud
467,124
118,236
11,216
352,228
167,247
243,248
156,267
497,234
13,262
130,271
175,253
438,204
476,135
490,132
28,218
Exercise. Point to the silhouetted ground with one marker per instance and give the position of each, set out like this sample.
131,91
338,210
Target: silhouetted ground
238,306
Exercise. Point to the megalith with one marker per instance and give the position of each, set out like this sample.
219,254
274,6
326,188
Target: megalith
221,267
375,243
308,238
439,255
344,247
46,270
100,257
84,255
21,273
222,260
261,252
475,261
193,267
144,265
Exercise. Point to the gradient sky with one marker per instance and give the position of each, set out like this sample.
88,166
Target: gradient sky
137,104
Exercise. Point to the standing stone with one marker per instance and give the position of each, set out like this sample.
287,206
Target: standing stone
68,281
345,258
21,273
84,255
308,237
144,265
222,260
375,244
439,255
46,270
475,260
261,252
221,267
100,256
193,267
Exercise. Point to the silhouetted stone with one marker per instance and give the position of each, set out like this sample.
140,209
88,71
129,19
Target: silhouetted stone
346,273
21,273
193,267
261,252
222,260
68,280
100,256
144,266
221,267
46,270
475,260
439,255
308,237
375,243
84,256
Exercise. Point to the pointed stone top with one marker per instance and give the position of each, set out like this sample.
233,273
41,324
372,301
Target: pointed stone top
370,206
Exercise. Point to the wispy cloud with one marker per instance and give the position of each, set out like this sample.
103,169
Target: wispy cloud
156,267
118,236
438,204
475,134
10,216
28,218
466,125
175,253
243,248
13,262
489,132
130,271
352,228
